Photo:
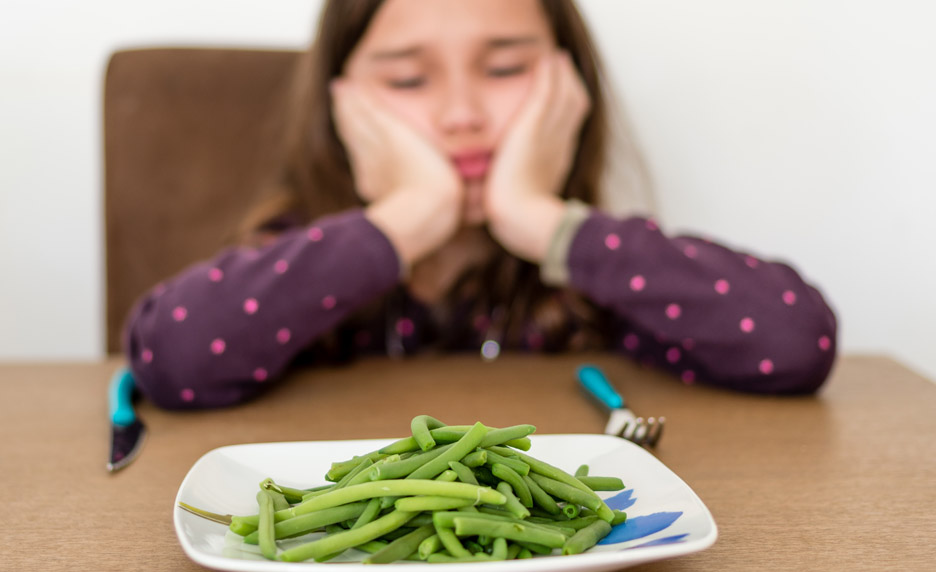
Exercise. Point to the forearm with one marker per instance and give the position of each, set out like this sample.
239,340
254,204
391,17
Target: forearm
703,311
213,335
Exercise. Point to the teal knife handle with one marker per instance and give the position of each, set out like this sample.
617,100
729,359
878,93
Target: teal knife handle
595,382
120,398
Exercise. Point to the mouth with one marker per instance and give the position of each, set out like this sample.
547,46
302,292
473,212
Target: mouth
472,165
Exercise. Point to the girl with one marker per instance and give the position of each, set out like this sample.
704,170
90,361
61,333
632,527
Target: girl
439,190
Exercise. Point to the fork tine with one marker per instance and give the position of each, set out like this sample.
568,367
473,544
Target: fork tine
657,431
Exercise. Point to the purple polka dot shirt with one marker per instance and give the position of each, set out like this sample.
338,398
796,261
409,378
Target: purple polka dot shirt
221,331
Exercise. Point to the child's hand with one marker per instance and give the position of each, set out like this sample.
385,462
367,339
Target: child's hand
533,160
414,193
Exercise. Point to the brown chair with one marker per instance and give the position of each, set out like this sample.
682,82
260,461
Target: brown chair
185,135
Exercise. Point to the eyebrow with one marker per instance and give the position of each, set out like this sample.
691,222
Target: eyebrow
493,43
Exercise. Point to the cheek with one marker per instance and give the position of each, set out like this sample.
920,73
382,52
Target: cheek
504,103
412,108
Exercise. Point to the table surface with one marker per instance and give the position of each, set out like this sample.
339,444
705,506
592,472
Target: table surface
839,481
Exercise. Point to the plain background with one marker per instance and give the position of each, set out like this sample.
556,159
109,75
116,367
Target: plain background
798,130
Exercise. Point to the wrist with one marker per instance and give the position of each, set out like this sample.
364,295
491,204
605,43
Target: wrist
526,227
415,223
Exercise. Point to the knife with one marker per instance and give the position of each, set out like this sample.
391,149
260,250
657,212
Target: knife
127,432
596,384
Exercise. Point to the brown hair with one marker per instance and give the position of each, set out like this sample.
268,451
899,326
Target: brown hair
314,178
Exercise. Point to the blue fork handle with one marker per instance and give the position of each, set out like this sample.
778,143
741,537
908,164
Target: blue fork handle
595,382
120,398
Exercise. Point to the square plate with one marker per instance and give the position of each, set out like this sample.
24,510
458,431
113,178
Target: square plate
665,517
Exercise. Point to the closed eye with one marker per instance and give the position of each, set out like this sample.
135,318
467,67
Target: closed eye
407,83
507,71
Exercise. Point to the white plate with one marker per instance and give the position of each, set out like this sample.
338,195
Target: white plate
665,517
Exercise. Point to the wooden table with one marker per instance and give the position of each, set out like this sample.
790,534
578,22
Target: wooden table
845,480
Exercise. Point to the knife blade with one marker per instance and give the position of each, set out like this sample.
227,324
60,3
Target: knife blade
127,431
597,385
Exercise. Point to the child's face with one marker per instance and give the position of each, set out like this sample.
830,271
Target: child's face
456,70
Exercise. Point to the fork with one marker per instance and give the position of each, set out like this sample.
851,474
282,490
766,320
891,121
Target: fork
622,421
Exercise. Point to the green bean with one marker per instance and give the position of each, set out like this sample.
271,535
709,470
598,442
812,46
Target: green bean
364,467
400,469
499,550
619,517
472,525
292,495
369,513
267,538
448,476
424,503
499,436
541,498
459,449
306,523
524,553
450,541
566,492
580,472
430,545
401,547
517,465
445,519
575,523
513,551
420,426
547,470
602,483
397,487
515,507
464,473
534,548
371,547
475,459
505,473
333,544
586,537
342,468
571,510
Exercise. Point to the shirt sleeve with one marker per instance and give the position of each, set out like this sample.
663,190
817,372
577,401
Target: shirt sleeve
220,331
703,311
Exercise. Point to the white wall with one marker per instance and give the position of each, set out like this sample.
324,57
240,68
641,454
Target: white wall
798,129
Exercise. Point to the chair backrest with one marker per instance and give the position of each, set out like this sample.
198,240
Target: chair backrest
185,135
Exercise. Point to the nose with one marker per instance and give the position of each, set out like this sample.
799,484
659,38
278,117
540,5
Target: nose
461,109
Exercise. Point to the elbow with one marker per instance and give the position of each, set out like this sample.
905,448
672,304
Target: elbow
172,376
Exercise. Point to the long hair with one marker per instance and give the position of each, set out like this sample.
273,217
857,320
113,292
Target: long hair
314,176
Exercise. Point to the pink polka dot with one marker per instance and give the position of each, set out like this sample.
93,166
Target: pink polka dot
688,344
147,355
789,297
825,343
218,346
688,376
747,325
281,267
179,313
751,261
215,275
328,302
260,374
315,234
283,335
613,241
638,283
673,311
766,366
405,327
631,342
251,305
187,395
691,251
652,225
673,355
722,286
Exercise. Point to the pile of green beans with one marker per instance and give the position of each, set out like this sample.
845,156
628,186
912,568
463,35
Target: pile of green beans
446,493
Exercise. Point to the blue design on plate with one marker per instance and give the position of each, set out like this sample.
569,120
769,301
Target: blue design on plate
666,540
639,526
621,500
